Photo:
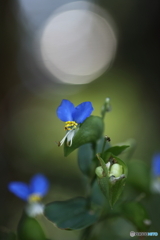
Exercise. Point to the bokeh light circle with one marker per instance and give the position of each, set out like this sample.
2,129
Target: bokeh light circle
78,43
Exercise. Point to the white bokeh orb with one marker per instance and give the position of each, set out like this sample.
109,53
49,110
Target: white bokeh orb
77,43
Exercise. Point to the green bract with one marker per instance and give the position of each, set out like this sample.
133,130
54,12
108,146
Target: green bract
111,185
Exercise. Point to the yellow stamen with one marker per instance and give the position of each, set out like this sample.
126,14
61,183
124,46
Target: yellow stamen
34,198
70,125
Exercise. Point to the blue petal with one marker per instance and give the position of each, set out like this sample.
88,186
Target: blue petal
39,184
65,110
156,165
20,189
82,111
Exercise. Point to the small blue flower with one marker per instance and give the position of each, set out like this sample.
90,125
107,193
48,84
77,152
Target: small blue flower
34,191
156,165
73,116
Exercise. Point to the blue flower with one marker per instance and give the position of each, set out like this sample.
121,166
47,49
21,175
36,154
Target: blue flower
156,165
34,191
73,117
155,183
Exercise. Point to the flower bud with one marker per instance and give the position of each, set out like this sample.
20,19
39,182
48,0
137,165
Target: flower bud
116,170
99,172
106,107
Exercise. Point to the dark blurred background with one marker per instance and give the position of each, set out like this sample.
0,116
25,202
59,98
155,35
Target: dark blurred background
30,93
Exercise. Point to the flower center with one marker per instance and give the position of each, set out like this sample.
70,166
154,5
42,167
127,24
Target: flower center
34,198
70,125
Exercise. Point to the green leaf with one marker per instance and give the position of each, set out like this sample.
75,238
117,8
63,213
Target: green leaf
72,214
136,213
85,157
97,196
139,175
112,190
30,229
90,131
115,150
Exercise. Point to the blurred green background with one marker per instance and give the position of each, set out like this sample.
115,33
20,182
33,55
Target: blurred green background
30,96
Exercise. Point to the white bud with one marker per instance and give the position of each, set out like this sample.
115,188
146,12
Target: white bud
116,170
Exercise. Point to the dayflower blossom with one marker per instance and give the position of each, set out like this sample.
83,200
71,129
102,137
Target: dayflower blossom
32,193
73,117
156,173
156,165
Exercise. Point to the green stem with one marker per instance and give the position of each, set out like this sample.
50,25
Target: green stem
86,233
94,146
103,148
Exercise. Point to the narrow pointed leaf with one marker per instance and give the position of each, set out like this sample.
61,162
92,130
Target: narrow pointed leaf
72,214
115,150
90,131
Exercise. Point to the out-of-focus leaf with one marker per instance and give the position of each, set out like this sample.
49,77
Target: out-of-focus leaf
30,229
97,196
85,158
127,154
115,150
72,214
137,214
139,175
87,161
90,131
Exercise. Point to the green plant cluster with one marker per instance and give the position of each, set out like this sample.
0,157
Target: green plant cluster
108,173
